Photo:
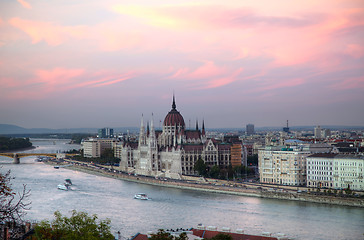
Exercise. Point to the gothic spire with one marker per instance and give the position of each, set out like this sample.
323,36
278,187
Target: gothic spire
196,125
203,127
173,103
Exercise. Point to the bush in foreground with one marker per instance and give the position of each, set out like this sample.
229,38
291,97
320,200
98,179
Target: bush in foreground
79,226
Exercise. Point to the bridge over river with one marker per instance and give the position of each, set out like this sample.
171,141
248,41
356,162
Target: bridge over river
17,156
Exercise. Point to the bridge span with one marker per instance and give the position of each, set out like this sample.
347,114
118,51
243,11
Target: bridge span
17,156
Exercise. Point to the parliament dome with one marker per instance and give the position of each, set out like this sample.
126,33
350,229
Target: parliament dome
174,118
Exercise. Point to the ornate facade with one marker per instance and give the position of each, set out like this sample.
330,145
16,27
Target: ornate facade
173,151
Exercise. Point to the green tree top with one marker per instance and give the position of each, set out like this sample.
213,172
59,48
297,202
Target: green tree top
222,236
200,167
80,226
162,235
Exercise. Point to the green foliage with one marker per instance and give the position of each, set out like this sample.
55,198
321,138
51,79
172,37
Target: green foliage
80,226
12,210
77,138
215,172
7,143
201,167
107,158
222,236
348,191
163,235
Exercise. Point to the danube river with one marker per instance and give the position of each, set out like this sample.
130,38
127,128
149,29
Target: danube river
172,208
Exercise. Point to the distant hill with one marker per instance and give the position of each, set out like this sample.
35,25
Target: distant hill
8,128
13,129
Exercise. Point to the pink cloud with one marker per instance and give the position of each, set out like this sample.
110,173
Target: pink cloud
57,79
225,80
355,50
103,80
271,85
207,70
46,31
24,4
350,83
214,76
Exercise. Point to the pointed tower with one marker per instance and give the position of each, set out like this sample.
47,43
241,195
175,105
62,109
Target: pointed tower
173,103
152,138
142,133
147,129
196,125
203,128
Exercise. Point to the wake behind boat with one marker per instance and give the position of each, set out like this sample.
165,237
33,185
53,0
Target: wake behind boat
141,196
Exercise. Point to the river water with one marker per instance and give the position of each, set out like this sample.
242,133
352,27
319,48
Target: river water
172,208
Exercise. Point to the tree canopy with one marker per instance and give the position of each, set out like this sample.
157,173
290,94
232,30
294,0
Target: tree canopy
12,205
201,167
7,143
80,226
163,235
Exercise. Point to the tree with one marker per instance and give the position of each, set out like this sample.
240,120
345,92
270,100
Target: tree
215,171
253,160
79,226
12,205
222,236
200,167
163,235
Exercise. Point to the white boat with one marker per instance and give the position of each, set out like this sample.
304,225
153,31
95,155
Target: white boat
63,187
141,196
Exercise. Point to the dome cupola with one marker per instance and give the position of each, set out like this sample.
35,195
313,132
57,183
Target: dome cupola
174,118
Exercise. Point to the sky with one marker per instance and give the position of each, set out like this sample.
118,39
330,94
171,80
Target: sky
91,63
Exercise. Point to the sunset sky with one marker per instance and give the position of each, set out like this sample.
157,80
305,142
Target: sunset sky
92,63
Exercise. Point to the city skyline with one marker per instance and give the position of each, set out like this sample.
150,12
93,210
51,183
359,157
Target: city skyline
95,64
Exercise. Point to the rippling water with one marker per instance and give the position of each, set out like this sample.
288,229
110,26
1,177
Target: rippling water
173,208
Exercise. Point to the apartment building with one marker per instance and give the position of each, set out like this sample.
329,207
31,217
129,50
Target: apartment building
93,148
282,165
337,171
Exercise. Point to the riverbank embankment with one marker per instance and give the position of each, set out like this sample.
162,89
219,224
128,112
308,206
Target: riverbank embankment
219,186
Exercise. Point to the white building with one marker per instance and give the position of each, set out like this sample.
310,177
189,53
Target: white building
281,165
337,171
320,170
317,132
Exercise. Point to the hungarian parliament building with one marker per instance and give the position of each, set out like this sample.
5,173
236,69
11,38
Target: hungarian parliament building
174,150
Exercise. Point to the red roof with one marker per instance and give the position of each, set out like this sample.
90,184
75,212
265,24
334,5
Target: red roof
193,147
207,234
224,146
192,134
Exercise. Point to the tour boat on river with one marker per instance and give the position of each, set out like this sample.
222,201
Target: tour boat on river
141,196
